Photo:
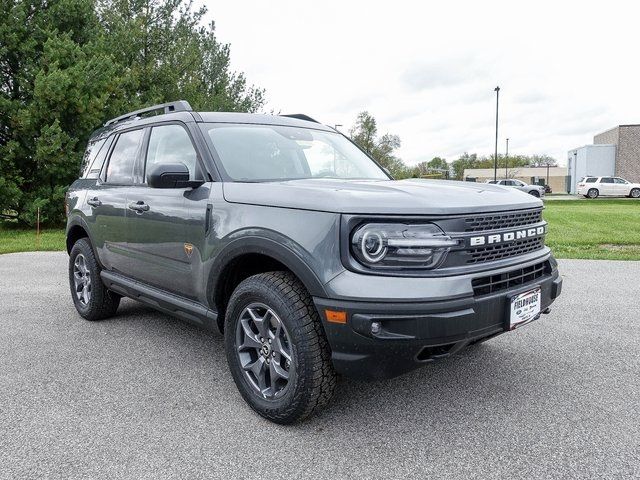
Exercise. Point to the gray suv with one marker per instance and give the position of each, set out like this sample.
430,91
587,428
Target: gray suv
535,190
285,236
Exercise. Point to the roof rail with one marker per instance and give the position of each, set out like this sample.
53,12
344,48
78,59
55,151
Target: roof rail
178,106
301,116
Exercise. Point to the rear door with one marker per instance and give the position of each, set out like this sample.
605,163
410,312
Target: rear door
606,186
166,225
108,201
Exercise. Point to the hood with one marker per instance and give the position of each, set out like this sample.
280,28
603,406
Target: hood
400,197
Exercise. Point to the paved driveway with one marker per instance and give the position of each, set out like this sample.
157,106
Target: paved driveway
146,396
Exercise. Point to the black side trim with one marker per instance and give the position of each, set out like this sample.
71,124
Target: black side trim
172,304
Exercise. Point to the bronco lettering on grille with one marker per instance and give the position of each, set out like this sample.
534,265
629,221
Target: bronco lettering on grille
506,237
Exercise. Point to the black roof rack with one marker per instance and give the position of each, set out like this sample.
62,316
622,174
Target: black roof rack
179,106
301,116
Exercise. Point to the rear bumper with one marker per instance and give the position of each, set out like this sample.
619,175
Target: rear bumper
415,333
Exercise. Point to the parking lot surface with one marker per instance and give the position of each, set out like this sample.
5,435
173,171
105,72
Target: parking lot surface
144,395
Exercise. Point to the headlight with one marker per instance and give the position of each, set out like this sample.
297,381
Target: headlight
400,245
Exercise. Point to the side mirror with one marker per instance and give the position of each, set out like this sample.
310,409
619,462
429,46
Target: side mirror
171,175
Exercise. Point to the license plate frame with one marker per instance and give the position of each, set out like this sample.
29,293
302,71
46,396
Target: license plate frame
524,307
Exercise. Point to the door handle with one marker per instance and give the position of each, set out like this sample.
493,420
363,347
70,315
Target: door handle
94,202
139,206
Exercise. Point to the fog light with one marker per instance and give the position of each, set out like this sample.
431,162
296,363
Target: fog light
375,328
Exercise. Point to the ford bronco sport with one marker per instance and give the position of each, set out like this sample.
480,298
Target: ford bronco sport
285,236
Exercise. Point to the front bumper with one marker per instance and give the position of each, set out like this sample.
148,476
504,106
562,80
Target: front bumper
415,333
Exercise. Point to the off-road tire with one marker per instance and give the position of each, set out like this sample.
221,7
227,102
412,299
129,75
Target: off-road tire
313,382
102,303
593,193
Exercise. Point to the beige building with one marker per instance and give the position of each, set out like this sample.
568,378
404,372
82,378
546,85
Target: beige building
531,175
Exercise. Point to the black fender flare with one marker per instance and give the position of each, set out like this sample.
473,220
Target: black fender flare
270,248
79,221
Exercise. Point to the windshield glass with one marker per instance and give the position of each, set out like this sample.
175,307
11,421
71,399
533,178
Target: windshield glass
262,153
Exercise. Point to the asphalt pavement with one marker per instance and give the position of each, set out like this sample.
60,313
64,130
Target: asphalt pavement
144,395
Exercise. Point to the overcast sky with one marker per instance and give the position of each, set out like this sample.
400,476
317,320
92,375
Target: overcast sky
427,70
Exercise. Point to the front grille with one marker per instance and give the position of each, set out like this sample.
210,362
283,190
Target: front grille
514,278
504,250
502,220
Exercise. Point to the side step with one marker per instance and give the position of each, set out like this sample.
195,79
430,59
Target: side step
166,302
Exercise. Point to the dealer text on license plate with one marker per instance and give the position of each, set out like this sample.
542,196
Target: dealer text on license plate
525,307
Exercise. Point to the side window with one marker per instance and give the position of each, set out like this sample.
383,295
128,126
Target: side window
171,144
591,180
606,180
90,154
96,166
123,157
620,180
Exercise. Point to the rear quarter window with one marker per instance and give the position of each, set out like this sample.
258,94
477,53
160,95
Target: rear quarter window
591,180
90,155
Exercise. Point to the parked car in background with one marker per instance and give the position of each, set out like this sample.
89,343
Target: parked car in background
593,187
535,190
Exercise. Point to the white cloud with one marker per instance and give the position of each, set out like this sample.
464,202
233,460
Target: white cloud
427,70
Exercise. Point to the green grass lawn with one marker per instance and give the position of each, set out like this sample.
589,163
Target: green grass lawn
597,229
16,239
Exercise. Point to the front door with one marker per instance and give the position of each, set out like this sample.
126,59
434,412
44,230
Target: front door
161,237
621,187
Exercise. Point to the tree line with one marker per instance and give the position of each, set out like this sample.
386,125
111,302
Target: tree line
67,66
383,148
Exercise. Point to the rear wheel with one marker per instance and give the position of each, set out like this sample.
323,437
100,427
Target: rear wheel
635,193
276,348
593,193
92,299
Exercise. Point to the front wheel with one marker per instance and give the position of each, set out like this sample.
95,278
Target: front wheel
92,299
535,193
276,348
635,193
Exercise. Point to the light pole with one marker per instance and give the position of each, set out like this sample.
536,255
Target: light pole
547,173
506,161
495,160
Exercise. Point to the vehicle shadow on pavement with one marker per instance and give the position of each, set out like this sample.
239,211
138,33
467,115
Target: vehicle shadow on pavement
487,377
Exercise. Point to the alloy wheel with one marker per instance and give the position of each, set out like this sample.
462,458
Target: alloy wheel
82,280
264,350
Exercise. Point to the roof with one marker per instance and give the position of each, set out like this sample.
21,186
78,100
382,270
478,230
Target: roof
181,111
260,119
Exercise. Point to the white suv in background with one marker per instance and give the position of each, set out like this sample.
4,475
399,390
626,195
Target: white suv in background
592,187
535,190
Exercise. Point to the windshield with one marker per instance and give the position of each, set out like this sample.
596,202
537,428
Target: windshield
262,153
